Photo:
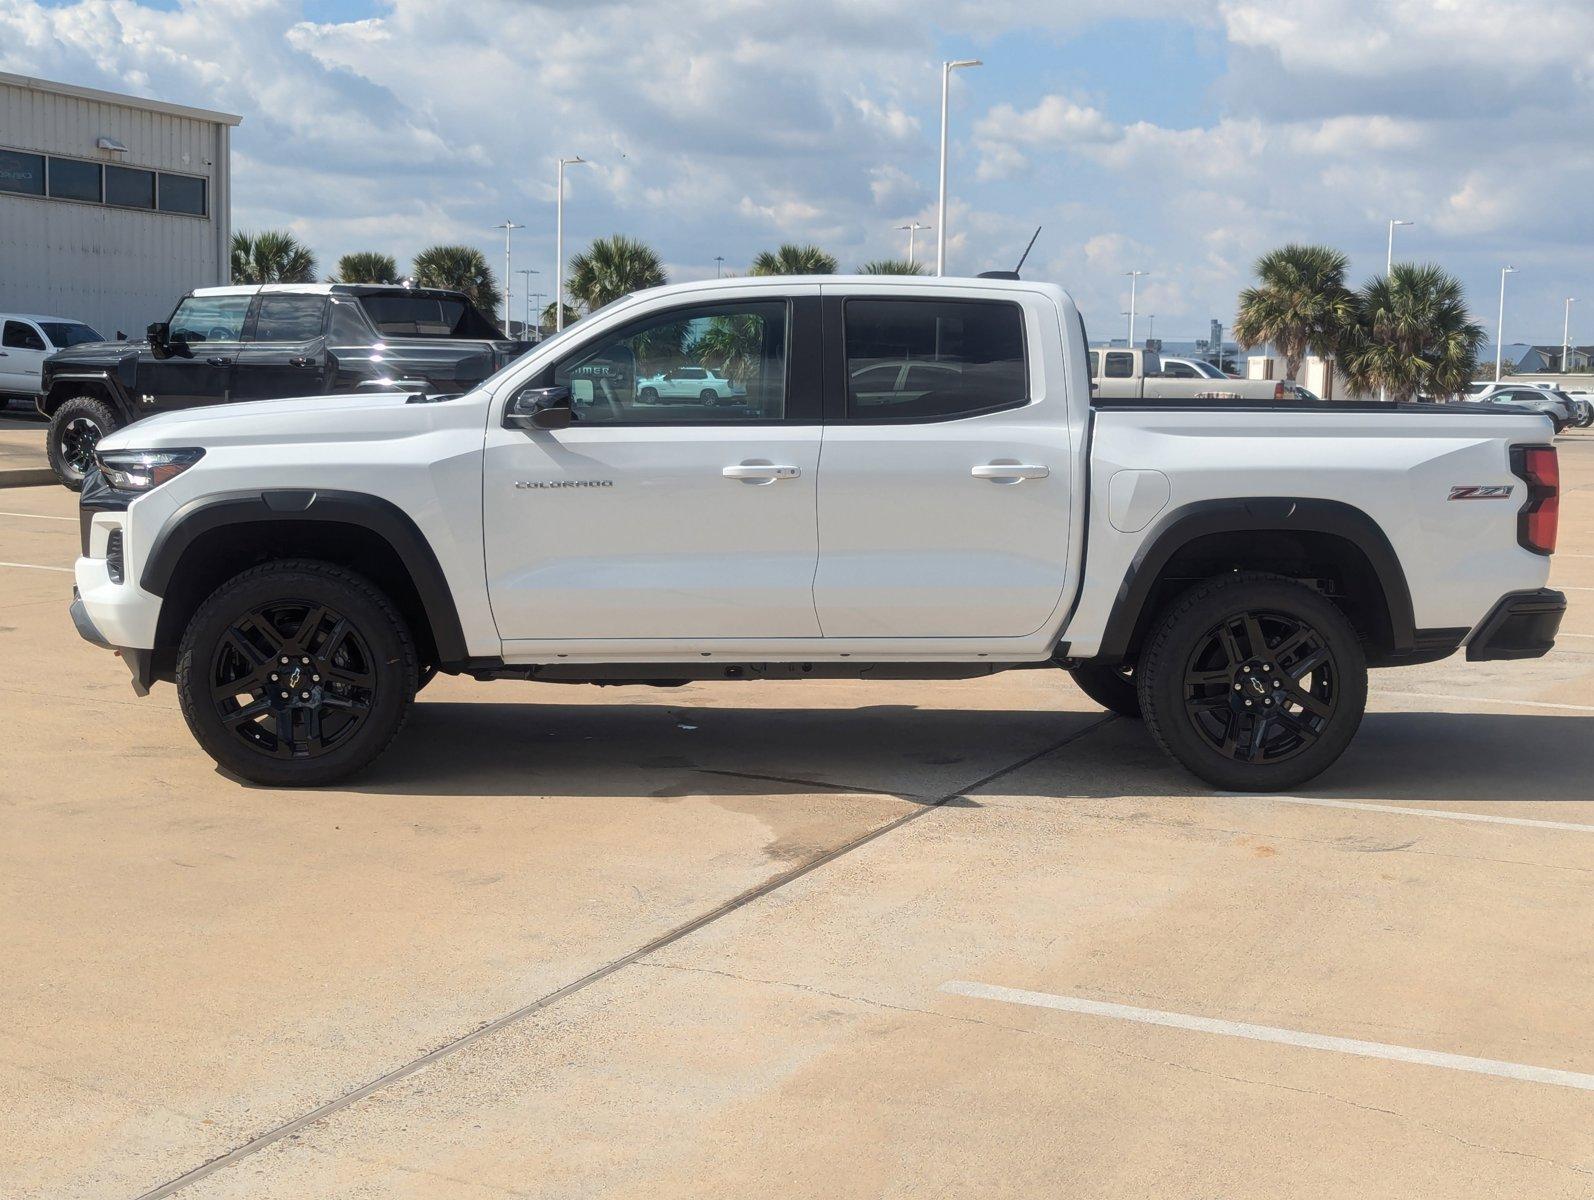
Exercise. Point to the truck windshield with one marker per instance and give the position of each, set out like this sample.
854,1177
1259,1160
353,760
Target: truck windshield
402,315
69,333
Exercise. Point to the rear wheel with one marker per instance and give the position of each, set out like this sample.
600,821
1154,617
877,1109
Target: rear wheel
75,430
1112,687
296,673
1253,682
709,397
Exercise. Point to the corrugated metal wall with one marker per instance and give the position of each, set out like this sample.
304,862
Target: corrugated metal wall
114,268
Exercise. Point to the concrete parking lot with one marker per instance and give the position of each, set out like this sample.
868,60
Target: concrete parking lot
817,939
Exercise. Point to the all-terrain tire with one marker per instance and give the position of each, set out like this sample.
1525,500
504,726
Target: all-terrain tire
244,630
75,429
1309,671
1109,686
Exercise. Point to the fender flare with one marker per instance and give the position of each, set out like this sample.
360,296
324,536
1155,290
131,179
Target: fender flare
63,381
1289,514
381,517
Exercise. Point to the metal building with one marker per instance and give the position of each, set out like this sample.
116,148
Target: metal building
111,206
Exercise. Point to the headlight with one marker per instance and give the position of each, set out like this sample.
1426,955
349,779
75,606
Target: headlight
141,470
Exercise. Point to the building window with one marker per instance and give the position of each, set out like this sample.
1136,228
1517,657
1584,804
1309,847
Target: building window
21,172
71,179
182,194
128,187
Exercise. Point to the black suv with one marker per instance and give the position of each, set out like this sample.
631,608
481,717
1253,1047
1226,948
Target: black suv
263,342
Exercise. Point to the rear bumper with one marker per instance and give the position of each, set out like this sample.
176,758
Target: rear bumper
1520,625
139,662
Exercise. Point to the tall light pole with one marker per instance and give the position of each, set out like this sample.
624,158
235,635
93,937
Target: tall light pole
940,221
1134,279
1566,334
538,296
1389,265
559,248
509,228
528,272
719,265
912,227
1499,329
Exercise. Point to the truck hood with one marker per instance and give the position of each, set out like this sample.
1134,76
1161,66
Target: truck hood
100,355
305,419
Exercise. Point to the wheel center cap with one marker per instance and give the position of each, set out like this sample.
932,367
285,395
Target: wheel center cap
1257,685
294,677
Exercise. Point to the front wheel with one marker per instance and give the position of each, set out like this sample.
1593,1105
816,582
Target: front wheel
648,395
1253,682
296,673
75,430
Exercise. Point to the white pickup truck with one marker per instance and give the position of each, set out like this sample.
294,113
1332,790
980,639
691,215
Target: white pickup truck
300,568
1140,375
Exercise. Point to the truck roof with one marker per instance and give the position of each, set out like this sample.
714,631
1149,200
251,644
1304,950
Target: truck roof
317,289
883,283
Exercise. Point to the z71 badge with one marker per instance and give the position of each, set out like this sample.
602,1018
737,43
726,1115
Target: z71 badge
1473,491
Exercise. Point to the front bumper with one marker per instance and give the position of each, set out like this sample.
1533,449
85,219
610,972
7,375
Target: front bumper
139,662
1520,625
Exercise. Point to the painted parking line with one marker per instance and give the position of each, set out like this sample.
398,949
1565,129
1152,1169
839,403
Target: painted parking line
1522,1072
1442,814
1486,700
36,567
39,516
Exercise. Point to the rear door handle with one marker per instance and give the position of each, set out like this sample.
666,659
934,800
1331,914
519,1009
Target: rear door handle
219,362
1010,472
301,361
760,472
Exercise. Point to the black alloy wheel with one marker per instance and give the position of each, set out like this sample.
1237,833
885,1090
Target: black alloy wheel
293,679
1253,682
1260,687
296,673
76,428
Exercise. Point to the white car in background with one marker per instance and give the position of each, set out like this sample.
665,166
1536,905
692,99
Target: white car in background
685,384
26,341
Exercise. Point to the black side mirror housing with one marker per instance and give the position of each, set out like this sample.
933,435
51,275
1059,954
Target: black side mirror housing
158,333
540,408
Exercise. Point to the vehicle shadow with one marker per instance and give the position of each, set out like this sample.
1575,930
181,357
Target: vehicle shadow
672,750
920,755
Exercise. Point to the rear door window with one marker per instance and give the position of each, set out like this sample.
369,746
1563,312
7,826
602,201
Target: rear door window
962,357
1120,366
289,318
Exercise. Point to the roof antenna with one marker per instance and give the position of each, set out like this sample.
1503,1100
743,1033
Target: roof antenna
1013,274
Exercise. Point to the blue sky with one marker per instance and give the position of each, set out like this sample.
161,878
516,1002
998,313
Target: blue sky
1179,138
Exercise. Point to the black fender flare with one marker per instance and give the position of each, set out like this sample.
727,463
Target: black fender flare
381,517
1290,514
62,382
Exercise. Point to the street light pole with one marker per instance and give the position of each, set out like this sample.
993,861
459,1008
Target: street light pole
1566,332
1499,329
559,248
509,228
1134,279
719,265
940,222
1389,265
912,228
528,272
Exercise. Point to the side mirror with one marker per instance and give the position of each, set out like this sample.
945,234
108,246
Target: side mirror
158,334
540,408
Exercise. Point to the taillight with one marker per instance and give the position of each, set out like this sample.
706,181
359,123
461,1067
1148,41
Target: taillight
1539,518
1278,390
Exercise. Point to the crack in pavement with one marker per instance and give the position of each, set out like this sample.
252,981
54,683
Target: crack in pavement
724,909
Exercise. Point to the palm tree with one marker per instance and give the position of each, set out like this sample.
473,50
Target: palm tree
733,345
459,269
273,256
367,266
547,319
893,266
1301,303
610,268
1411,334
794,260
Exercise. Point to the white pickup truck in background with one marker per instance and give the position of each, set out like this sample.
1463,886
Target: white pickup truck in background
1229,570
1139,374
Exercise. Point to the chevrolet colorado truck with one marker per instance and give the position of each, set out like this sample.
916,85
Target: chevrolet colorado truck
263,341
299,568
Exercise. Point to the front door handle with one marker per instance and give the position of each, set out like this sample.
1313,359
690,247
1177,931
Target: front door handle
301,361
760,472
219,362
1010,472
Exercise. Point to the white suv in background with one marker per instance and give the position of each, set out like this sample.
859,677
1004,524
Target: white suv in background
26,341
685,384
